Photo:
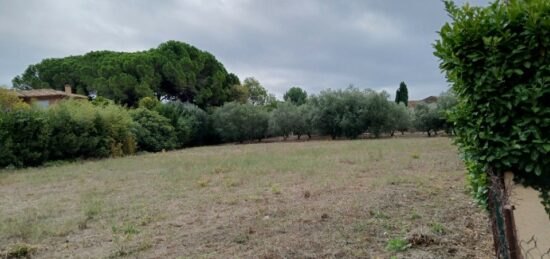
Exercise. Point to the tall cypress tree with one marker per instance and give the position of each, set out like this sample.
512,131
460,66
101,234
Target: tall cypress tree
404,93
397,96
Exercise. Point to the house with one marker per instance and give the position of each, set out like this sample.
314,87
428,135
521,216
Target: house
47,97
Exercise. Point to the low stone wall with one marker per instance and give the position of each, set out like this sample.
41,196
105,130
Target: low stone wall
531,220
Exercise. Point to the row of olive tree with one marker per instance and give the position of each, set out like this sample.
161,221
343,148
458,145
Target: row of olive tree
336,113
345,113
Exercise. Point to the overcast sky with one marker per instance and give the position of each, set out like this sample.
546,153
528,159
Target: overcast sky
283,43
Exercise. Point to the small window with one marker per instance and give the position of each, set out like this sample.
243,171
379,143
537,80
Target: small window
42,103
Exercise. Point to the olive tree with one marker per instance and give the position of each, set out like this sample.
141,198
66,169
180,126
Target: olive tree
240,122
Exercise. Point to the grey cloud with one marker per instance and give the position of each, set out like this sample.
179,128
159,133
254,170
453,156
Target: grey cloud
313,44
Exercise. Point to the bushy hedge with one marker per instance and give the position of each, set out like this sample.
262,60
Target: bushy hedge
68,130
191,123
25,135
153,131
498,61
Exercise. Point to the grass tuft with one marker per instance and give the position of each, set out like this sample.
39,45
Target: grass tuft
437,228
20,250
397,245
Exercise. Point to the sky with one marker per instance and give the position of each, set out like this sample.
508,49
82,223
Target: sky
315,45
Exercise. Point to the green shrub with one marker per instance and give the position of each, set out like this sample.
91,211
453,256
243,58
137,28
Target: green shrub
149,103
67,130
191,123
82,130
116,126
152,130
497,59
101,101
74,132
9,101
397,245
25,135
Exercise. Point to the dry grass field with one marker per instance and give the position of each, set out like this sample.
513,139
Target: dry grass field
386,198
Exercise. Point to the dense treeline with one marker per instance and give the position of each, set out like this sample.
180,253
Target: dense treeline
81,129
173,71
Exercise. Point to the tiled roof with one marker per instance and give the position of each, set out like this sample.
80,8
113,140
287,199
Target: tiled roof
46,93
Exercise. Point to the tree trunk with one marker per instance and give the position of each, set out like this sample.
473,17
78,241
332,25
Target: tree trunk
299,135
309,136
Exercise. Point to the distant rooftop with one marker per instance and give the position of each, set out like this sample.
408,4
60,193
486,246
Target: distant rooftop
37,93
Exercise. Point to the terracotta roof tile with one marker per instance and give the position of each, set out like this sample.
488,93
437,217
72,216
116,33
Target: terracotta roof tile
46,93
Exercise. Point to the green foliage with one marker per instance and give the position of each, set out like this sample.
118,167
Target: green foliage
149,103
397,245
296,96
9,101
351,112
446,103
437,228
192,124
427,118
102,101
399,118
239,93
285,120
497,59
115,125
80,130
240,122
378,112
271,103
75,132
257,95
306,123
340,112
25,137
20,250
402,94
174,70
67,130
153,131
